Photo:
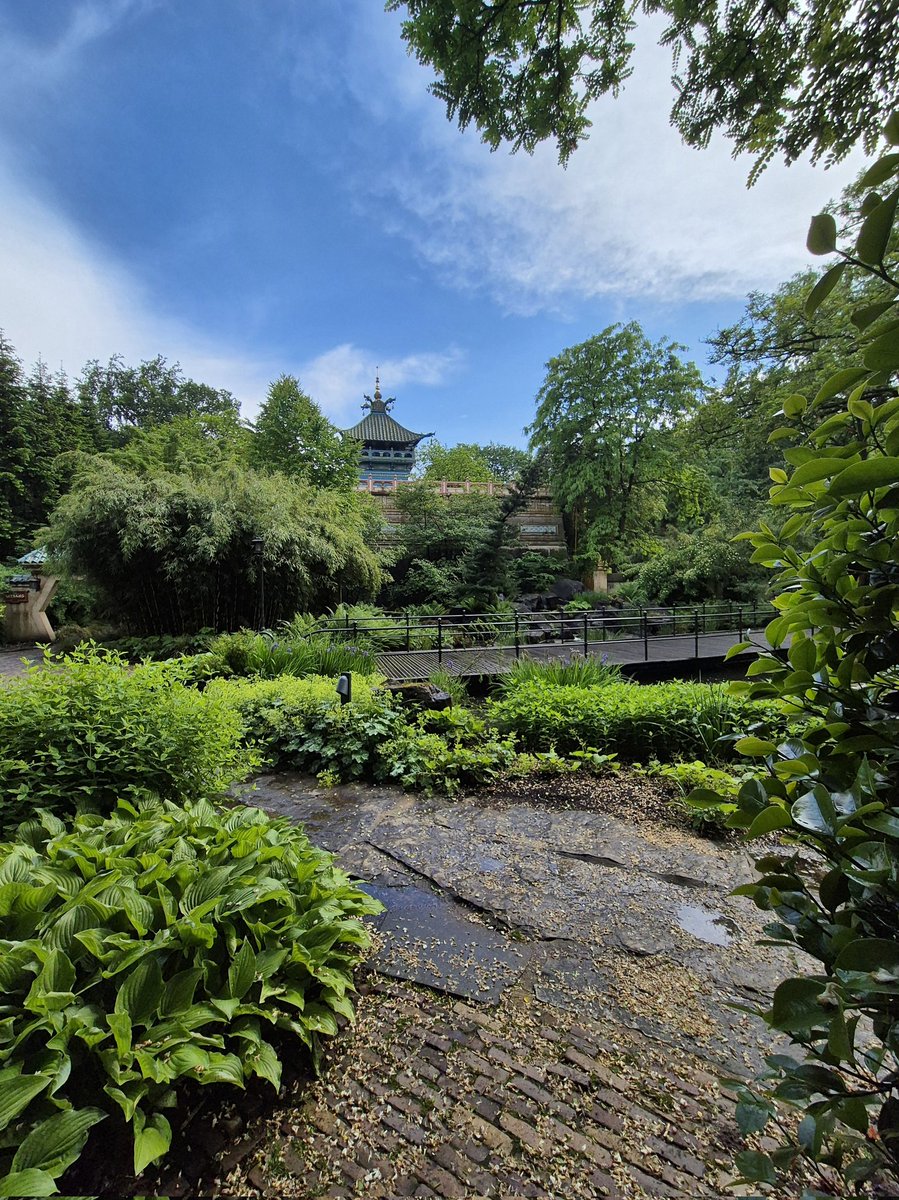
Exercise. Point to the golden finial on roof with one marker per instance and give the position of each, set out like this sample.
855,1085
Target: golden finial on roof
377,384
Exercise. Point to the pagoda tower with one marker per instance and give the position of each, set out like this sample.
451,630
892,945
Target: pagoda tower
388,448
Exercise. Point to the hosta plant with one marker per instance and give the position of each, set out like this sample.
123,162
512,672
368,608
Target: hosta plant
158,945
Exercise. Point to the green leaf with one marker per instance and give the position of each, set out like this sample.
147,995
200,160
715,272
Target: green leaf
815,811
795,1006
141,992
865,476
816,297
152,1138
883,353
840,381
868,313
768,820
822,234
755,1166
755,747
881,170
28,1183
56,1143
17,1093
891,129
242,971
874,235
869,955
179,991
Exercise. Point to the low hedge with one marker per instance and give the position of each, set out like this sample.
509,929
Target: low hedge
637,722
160,945
88,729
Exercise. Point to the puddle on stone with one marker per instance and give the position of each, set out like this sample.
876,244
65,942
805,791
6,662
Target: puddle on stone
712,927
426,939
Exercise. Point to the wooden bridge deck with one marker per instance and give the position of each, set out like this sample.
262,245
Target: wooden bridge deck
407,666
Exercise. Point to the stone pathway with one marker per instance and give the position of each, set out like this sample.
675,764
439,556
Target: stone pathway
11,658
545,1015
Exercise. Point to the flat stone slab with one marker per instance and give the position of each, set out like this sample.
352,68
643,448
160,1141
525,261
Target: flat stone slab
427,939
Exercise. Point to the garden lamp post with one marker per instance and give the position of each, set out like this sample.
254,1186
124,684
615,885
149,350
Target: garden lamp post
260,566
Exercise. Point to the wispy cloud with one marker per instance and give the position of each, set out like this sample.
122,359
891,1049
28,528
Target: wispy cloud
338,379
636,214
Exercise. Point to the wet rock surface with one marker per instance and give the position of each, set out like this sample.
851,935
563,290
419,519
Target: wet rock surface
575,907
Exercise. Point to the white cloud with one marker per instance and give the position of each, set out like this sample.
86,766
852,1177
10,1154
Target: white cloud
636,214
338,379
66,301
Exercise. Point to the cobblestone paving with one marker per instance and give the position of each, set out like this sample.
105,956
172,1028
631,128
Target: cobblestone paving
431,1096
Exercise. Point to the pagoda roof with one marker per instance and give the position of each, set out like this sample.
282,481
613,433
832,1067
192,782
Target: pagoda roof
379,426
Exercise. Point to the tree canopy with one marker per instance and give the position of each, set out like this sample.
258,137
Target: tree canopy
604,421
796,77
293,436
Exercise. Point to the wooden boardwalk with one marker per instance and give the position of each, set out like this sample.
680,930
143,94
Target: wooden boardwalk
407,666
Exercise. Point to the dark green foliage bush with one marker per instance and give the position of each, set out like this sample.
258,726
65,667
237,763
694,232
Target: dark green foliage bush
663,720
300,723
156,946
443,751
89,729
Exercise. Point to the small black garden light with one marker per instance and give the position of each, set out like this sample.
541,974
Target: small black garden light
345,687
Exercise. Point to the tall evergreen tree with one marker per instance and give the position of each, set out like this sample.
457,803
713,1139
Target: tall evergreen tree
293,436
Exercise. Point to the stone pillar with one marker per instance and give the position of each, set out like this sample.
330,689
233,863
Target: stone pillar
27,620
599,580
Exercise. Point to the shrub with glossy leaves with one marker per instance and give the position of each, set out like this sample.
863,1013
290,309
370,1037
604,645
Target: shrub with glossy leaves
833,791
158,945
89,729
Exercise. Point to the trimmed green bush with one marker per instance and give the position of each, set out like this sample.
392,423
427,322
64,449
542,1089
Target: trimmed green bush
157,946
636,722
88,730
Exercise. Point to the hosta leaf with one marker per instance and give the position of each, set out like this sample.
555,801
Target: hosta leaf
17,1093
140,993
179,991
223,1068
28,1183
242,971
265,1063
210,885
56,1143
152,1138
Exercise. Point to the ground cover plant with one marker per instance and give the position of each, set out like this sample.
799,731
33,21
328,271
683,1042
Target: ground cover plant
268,655
158,945
88,730
832,791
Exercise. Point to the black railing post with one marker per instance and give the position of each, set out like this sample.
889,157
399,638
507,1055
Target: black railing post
408,640
439,640
586,639
703,617
696,632
355,633
740,619
517,639
645,618
561,626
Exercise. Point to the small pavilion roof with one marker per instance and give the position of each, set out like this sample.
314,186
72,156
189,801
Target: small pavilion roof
379,426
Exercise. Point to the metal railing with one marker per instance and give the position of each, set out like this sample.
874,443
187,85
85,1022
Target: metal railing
585,631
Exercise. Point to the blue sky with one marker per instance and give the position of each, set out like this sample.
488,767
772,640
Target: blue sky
255,188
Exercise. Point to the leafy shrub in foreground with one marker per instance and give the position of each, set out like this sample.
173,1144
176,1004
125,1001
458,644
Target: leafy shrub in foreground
833,790
158,945
90,729
636,722
300,723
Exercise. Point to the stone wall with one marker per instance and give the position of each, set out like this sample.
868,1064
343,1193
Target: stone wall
540,522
